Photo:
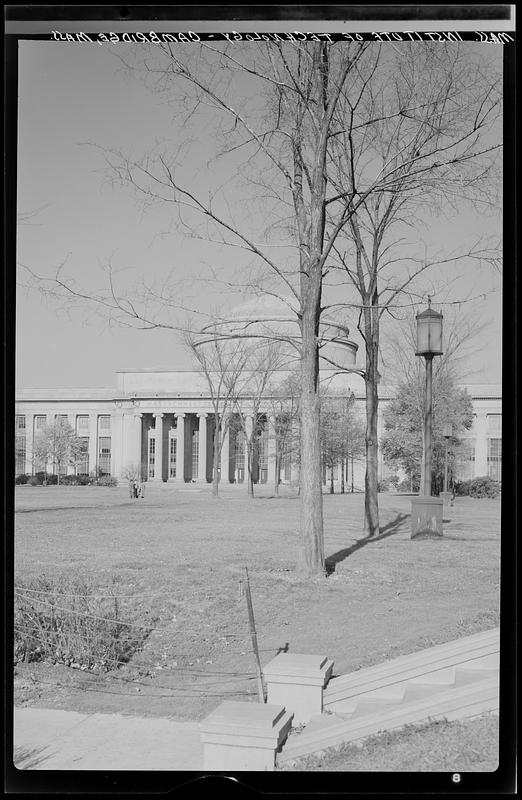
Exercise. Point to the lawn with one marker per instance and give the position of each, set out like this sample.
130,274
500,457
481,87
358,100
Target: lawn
176,559
468,745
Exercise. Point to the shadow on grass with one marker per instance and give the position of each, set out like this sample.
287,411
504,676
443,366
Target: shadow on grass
390,529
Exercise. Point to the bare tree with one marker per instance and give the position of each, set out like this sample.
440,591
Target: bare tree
283,407
250,406
223,363
341,433
301,127
434,112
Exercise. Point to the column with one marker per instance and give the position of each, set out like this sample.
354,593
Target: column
117,434
481,445
272,449
202,449
93,442
158,457
136,460
180,447
225,452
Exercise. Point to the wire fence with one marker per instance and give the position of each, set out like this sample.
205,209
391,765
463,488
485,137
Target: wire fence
101,644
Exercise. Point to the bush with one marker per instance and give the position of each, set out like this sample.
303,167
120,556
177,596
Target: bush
21,480
384,485
33,481
478,487
68,480
106,480
69,620
75,480
52,480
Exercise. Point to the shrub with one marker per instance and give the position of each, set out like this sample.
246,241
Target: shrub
21,480
68,480
478,487
394,481
52,480
107,480
75,480
383,485
68,620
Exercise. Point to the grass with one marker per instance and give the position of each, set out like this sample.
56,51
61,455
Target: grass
469,745
178,556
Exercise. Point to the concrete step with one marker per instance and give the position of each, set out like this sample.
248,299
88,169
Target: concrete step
437,664
453,703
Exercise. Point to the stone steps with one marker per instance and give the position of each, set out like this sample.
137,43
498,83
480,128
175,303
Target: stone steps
460,679
481,650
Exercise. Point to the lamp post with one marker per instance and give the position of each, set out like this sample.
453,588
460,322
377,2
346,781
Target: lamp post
447,433
426,514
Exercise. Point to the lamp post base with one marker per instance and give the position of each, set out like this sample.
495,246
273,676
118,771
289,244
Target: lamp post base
446,498
426,517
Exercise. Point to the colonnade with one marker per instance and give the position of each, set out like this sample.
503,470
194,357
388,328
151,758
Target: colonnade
179,447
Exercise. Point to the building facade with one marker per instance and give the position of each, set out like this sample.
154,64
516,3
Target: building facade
162,421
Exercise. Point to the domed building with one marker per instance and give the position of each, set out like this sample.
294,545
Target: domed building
163,420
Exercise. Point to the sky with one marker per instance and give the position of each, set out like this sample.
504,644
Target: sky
74,101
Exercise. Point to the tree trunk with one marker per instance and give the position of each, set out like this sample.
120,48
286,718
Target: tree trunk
371,503
276,479
311,560
342,475
311,228
331,479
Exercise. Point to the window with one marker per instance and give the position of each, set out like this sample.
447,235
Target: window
172,457
82,461
82,424
239,452
104,422
495,424
262,445
152,457
195,453
20,444
495,459
40,421
104,455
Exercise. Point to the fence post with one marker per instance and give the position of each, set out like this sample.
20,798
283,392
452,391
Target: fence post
260,687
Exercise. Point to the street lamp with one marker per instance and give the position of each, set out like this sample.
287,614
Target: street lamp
427,510
429,344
